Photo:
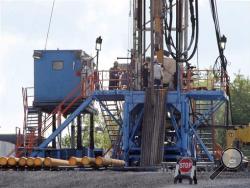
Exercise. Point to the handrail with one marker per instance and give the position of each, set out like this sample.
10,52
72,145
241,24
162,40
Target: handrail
58,108
203,79
91,86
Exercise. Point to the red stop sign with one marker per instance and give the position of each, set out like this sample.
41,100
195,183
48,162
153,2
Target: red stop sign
185,165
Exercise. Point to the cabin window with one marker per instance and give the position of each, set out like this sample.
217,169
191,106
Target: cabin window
57,65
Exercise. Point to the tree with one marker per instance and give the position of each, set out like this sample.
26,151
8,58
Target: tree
240,99
101,134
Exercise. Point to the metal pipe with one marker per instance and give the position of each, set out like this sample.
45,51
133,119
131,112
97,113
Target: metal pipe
88,161
100,161
30,161
74,161
38,162
52,162
22,161
13,161
3,161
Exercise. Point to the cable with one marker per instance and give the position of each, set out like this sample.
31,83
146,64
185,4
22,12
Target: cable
194,19
50,19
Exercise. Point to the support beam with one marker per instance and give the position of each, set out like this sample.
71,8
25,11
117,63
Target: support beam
79,132
73,133
91,136
39,141
53,129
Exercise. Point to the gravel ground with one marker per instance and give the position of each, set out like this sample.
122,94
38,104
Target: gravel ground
111,179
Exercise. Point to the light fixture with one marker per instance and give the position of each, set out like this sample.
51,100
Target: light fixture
223,41
37,55
98,43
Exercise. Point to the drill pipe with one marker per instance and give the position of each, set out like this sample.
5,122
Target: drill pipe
30,162
38,162
3,161
88,161
13,161
51,162
100,161
74,161
22,161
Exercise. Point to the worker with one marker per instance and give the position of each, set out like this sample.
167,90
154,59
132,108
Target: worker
114,77
125,82
145,72
158,74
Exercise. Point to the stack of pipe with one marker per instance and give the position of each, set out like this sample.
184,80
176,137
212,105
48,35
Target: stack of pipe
22,162
38,162
88,161
153,127
13,161
30,162
104,162
52,162
74,161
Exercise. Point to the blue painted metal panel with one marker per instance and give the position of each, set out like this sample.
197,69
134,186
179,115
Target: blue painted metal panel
52,85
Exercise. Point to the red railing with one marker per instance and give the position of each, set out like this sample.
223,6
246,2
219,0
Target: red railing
122,81
204,80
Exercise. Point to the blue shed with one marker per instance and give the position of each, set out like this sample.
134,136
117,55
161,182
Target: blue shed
56,74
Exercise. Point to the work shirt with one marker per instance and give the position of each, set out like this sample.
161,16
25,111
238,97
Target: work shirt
158,74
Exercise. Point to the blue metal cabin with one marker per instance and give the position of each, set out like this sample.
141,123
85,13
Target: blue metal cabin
55,75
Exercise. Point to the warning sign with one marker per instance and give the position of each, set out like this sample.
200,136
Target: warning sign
185,165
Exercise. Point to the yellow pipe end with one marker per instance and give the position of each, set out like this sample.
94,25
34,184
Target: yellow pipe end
48,162
12,161
3,161
38,162
30,162
22,161
99,161
85,161
72,161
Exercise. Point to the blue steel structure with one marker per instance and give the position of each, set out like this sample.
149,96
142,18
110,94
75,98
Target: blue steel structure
185,129
52,89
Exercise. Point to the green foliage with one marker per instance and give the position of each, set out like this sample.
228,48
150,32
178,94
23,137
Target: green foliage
240,98
101,136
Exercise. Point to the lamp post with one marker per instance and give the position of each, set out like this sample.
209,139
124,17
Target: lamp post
98,47
223,41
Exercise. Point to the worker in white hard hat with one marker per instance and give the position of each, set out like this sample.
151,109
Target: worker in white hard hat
158,74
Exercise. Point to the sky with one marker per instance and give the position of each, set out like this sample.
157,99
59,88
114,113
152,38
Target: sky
77,23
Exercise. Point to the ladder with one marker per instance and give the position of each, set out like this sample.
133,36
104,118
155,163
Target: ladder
113,108
30,124
205,131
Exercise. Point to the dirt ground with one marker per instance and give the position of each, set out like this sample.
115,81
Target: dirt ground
112,179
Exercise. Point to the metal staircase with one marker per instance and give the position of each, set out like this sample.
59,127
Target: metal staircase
30,125
206,131
111,112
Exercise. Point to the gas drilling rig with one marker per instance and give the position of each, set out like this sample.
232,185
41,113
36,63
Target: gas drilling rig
146,125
